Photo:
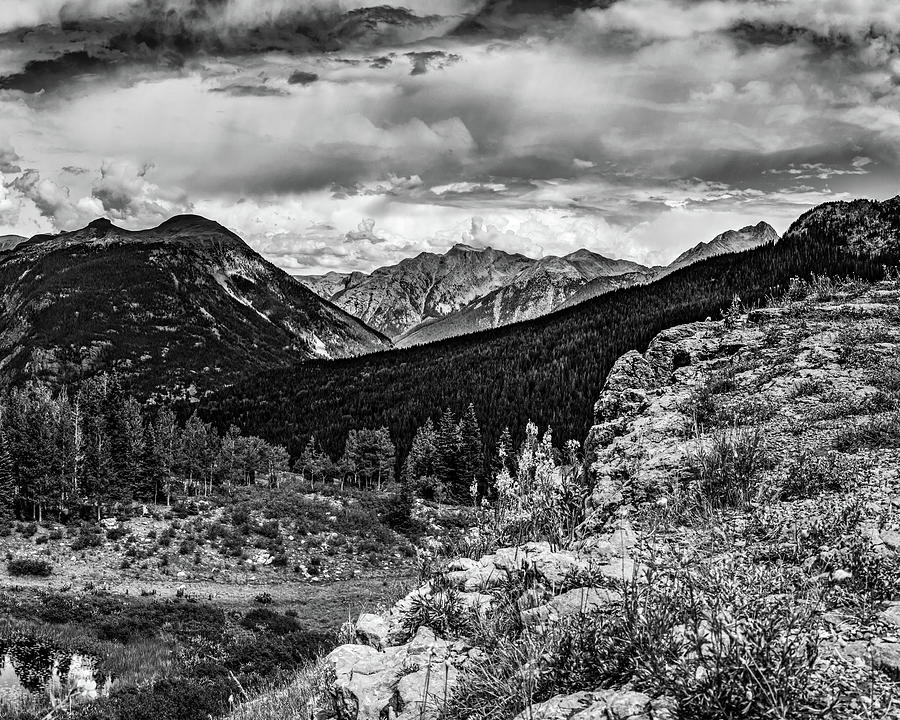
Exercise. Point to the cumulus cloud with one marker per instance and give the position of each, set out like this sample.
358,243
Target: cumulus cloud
125,193
635,128
53,201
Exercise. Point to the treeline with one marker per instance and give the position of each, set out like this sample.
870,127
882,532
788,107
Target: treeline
61,453
444,463
550,369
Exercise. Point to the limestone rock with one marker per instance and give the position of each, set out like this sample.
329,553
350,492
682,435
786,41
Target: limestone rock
573,602
425,691
597,705
883,656
372,630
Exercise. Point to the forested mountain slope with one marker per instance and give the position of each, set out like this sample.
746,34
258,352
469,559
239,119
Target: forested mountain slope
548,369
186,303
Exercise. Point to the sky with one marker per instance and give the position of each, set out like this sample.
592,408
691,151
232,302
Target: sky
332,135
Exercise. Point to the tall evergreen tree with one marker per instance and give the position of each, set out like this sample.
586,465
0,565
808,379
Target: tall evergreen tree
447,465
420,468
471,455
8,491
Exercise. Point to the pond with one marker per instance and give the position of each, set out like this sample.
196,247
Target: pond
33,671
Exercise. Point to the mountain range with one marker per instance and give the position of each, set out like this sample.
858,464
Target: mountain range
187,303
431,296
548,370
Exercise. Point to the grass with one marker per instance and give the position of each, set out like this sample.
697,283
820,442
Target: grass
725,641
724,470
301,698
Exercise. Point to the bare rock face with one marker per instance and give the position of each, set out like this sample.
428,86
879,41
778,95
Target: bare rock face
372,630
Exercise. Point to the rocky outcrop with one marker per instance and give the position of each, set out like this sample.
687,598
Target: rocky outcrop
601,705
383,676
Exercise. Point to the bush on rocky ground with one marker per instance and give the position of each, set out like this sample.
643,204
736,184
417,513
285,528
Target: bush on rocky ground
724,470
725,641
28,566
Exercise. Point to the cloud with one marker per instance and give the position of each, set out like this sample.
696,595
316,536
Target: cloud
52,201
242,90
9,159
300,77
125,194
617,125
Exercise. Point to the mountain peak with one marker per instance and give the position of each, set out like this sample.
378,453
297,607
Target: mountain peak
194,224
463,247
730,241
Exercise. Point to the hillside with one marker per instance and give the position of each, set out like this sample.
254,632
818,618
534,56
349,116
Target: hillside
185,304
734,552
547,369
8,242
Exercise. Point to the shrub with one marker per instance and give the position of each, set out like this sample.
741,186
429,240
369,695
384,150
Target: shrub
28,529
27,566
268,529
116,533
542,500
724,642
874,433
263,598
442,610
88,537
188,545
809,475
725,471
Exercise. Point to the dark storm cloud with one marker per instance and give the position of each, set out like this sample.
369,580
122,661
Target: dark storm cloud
243,90
301,77
48,75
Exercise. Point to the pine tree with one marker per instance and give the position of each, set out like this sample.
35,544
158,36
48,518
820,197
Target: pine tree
8,491
229,461
314,462
420,468
471,455
447,465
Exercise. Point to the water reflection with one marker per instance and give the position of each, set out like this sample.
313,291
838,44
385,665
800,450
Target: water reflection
33,668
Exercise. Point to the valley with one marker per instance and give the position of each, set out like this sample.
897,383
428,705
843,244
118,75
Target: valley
449,360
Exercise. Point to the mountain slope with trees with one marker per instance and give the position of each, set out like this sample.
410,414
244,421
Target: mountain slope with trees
185,304
548,369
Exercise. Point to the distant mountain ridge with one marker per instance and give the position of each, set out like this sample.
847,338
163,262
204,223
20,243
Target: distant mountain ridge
729,241
8,242
187,303
432,297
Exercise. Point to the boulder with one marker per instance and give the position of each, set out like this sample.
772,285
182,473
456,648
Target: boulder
600,705
364,683
372,630
884,656
891,539
573,602
891,615
424,692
